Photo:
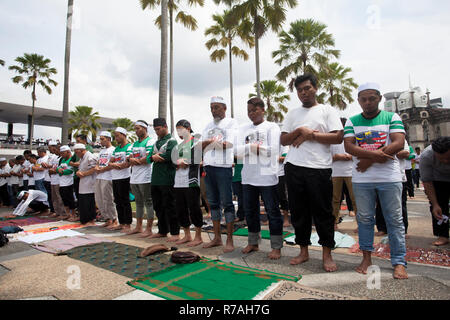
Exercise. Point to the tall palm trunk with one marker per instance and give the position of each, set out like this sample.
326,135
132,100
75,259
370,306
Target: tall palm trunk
33,97
258,80
162,108
65,119
171,69
231,79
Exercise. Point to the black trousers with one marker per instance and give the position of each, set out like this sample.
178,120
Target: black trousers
4,196
48,187
237,190
15,192
164,205
348,199
409,182
86,205
379,218
187,203
310,193
67,196
282,193
37,206
442,190
121,192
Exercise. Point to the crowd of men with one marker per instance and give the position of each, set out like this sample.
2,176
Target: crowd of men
302,168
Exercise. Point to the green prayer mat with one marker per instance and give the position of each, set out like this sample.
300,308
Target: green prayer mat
265,234
120,258
208,280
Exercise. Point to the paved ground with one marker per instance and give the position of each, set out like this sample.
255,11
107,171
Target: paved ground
26,273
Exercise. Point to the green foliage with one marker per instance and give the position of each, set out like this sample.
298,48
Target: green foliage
274,97
126,124
83,121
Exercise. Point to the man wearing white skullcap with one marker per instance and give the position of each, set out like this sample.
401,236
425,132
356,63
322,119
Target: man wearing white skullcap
66,180
120,175
103,184
4,196
57,201
218,141
374,138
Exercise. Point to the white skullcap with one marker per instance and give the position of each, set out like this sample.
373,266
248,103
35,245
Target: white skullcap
2,159
121,130
218,100
21,194
79,146
52,143
64,148
369,86
142,124
105,134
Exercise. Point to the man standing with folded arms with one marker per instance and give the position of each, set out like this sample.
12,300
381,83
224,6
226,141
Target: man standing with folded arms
141,177
103,184
374,137
309,130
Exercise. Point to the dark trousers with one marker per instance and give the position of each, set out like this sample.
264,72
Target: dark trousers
164,205
76,186
417,177
442,190
121,192
187,204
310,193
237,190
37,206
379,218
271,205
282,193
67,196
409,182
48,187
86,206
348,199
15,193
4,196
25,185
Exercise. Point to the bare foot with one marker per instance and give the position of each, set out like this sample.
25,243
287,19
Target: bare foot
229,247
157,235
184,240
134,231
301,258
173,238
351,214
400,272
336,227
265,222
53,215
329,265
115,227
380,234
249,249
89,224
441,241
362,268
106,224
195,243
146,233
275,254
213,243
125,228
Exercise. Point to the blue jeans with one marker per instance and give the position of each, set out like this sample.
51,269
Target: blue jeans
390,195
252,212
219,192
39,185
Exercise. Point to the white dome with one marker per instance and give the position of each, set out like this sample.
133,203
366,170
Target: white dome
420,99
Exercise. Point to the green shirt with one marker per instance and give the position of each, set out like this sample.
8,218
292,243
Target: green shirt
120,155
163,173
237,172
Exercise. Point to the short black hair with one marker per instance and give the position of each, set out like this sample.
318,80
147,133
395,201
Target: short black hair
257,102
307,76
20,158
143,121
33,156
441,145
82,137
417,148
27,152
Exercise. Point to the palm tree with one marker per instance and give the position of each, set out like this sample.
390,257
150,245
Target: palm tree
306,47
128,125
83,121
337,84
187,21
265,15
65,123
222,37
34,69
274,96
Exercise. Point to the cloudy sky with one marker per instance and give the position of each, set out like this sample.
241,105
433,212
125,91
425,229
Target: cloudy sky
116,47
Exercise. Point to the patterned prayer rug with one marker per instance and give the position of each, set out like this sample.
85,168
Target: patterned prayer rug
58,246
265,234
55,228
120,258
439,257
287,290
209,280
24,221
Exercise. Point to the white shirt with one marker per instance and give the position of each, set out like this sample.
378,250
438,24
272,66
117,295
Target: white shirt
3,181
87,184
103,161
15,169
340,168
54,161
26,165
225,130
50,160
417,161
311,154
262,169
37,195
403,163
283,150
142,173
8,171
38,175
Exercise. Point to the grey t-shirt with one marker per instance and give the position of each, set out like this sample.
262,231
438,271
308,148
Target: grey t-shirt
431,169
87,184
